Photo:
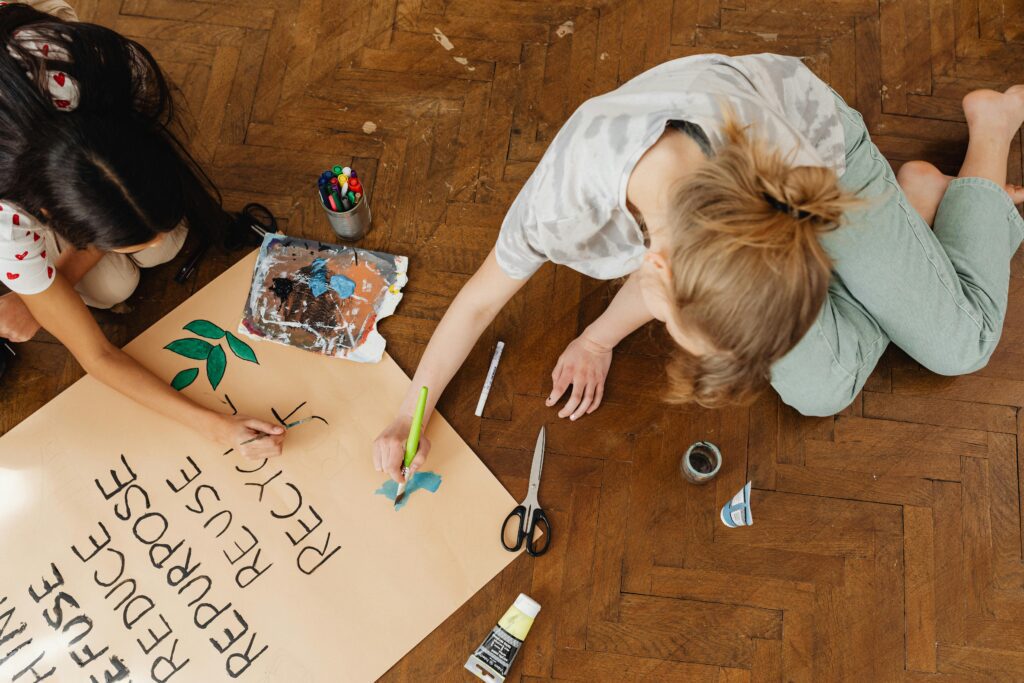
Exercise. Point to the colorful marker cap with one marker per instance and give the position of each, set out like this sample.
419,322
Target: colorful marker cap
346,171
352,173
336,170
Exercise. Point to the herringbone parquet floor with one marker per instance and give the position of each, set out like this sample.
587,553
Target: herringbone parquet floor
887,540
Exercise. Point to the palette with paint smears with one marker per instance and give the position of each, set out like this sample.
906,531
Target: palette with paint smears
322,297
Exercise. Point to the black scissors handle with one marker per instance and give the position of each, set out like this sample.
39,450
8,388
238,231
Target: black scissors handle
255,217
260,217
525,531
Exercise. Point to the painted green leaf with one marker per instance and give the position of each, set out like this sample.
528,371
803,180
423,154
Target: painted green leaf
204,328
215,366
241,349
196,349
184,378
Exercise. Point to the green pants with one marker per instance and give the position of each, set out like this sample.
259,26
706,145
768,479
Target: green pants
940,295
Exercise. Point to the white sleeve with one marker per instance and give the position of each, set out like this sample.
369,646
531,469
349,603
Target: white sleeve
515,255
25,267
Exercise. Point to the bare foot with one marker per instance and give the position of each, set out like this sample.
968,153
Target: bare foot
995,112
925,185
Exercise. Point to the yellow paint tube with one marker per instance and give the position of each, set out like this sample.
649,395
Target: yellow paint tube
493,659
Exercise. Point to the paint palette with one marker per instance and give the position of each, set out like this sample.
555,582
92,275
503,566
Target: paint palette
322,297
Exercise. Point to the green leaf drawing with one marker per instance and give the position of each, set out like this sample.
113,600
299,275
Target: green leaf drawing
204,328
184,378
196,349
216,363
241,349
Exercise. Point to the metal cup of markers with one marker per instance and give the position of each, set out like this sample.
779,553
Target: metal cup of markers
349,225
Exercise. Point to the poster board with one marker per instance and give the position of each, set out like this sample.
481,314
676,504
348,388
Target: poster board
131,544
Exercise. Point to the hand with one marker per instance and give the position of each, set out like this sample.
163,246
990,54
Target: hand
236,429
584,364
16,322
389,449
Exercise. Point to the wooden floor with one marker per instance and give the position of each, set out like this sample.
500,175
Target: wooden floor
887,540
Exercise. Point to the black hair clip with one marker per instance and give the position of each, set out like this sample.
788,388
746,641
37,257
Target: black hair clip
785,208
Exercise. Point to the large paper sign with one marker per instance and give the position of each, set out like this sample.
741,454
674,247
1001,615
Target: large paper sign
133,549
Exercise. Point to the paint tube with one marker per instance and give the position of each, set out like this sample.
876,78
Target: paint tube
493,659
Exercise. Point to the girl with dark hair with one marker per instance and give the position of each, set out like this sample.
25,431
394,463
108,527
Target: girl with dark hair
94,186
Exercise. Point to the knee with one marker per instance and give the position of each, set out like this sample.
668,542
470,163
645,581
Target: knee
821,396
916,171
819,405
952,365
163,251
106,287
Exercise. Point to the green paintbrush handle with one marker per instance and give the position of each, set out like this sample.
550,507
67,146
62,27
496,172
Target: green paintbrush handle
413,442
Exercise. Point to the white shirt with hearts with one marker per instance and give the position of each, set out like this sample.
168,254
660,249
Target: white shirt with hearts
25,266
63,89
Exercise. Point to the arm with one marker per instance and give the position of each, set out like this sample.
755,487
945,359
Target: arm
469,314
584,363
16,322
626,314
60,310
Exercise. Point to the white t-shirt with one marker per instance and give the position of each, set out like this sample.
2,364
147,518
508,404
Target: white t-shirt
25,267
572,209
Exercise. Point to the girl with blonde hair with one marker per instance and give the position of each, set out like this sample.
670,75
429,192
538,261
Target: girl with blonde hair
755,218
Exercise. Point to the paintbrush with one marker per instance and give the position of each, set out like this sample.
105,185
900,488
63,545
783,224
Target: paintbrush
287,426
412,444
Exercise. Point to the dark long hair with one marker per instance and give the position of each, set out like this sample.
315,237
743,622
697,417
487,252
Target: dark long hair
109,174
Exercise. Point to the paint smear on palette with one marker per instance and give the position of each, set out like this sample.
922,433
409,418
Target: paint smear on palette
322,297
426,481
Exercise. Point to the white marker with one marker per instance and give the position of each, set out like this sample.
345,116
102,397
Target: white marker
490,379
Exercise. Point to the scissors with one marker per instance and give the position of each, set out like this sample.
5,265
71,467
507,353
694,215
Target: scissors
255,217
529,513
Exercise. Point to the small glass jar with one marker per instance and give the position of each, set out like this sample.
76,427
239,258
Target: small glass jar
701,462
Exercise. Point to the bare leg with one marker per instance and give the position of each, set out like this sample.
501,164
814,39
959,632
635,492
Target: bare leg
992,120
924,185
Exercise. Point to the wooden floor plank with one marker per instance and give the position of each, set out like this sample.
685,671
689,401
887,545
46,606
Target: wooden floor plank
887,541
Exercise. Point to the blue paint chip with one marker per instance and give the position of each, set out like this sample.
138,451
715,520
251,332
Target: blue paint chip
427,481
318,284
344,286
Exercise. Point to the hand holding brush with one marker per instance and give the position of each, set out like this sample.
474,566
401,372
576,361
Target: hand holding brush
412,444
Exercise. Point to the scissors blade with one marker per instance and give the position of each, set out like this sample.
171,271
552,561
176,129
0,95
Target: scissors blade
538,465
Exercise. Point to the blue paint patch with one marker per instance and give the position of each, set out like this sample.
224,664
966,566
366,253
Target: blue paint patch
344,286
427,481
318,281
318,285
